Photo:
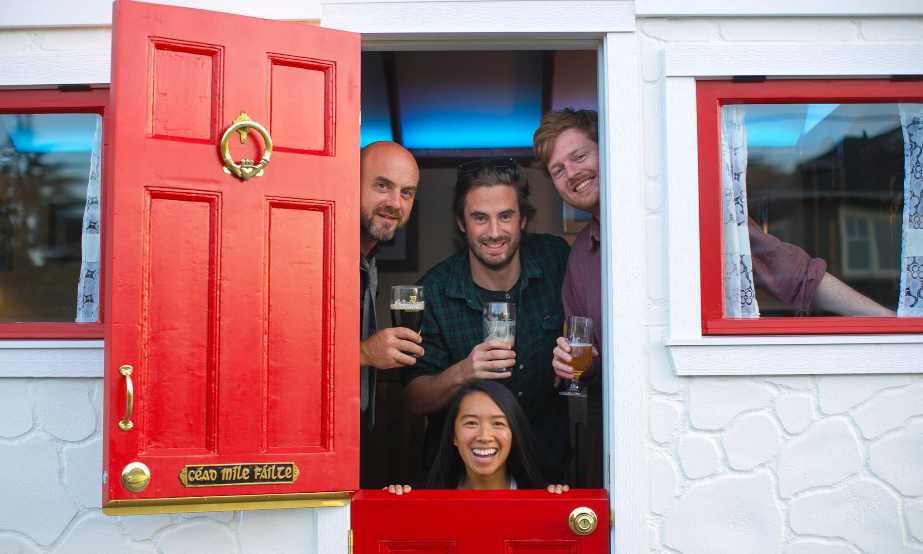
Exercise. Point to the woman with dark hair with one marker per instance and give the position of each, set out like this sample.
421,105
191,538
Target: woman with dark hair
487,444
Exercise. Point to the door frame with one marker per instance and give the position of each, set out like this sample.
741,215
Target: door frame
622,223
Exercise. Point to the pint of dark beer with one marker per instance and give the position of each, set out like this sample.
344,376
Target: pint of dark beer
407,305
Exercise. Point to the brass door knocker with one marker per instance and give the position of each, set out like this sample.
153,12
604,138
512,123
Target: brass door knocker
246,169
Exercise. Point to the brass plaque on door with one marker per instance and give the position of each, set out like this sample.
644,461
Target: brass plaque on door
284,473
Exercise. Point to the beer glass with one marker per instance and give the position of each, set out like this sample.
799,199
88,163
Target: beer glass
500,323
580,337
407,306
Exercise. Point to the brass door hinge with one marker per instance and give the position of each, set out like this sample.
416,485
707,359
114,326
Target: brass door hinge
349,542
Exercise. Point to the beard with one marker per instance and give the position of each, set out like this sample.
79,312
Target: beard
494,263
381,233
585,202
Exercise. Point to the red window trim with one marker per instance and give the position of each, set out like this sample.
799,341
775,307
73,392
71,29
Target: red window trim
56,101
710,96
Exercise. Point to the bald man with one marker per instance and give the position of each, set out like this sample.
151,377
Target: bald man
388,177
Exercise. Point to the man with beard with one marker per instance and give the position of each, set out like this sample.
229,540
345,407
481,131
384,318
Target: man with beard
388,177
497,261
566,149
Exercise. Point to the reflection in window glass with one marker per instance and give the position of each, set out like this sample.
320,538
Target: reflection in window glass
45,166
829,179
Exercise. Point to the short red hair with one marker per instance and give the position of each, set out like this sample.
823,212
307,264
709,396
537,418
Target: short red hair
555,123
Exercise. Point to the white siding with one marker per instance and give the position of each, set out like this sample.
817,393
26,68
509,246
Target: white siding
795,463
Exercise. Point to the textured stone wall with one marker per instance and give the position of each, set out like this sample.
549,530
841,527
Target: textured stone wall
800,465
51,488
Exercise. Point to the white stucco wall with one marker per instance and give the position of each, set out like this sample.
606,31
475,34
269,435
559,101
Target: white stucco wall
795,464
51,489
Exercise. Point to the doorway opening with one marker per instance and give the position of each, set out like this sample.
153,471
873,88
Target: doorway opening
448,108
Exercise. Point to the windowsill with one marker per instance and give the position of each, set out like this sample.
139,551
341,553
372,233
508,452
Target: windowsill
51,358
797,355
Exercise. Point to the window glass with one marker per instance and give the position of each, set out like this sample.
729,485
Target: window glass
45,169
829,180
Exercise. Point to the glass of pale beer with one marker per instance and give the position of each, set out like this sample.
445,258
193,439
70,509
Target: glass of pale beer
500,324
580,337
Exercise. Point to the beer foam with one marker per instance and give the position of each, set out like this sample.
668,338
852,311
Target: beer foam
409,306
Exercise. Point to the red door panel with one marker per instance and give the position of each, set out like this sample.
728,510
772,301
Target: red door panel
474,522
234,302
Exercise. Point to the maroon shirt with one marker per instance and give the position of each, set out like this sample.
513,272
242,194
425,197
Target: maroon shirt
782,270
582,288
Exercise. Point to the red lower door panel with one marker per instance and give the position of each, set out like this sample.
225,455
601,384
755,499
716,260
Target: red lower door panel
475,522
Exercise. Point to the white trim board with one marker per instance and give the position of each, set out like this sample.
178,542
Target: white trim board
776,8
55,69
51,358
682,174
797,355
331,539
65,13
803,60
622,207
439,18
488,42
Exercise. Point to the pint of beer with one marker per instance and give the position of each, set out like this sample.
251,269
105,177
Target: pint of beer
407,307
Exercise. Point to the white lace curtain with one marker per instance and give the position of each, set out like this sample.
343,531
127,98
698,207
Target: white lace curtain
739,298
88,285
910,303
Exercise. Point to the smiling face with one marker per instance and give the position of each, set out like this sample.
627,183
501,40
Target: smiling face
388,178
484,439
574,169
493,226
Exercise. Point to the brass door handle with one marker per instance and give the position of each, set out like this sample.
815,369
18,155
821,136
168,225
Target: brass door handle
582,521
246,169
126,423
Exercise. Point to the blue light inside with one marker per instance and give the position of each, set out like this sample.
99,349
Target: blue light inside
374,131
472,130
463,100
44,133
376,118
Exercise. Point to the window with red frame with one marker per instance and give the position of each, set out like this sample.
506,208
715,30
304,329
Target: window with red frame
51,213
802,206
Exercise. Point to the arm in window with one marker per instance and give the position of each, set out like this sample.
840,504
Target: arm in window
836,296
789,274
784,271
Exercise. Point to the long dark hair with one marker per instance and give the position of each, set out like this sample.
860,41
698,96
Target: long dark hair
526,461
509,174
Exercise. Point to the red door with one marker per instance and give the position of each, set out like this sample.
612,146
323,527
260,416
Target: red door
475,522
234,302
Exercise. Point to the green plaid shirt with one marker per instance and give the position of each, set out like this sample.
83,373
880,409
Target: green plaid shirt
452,327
